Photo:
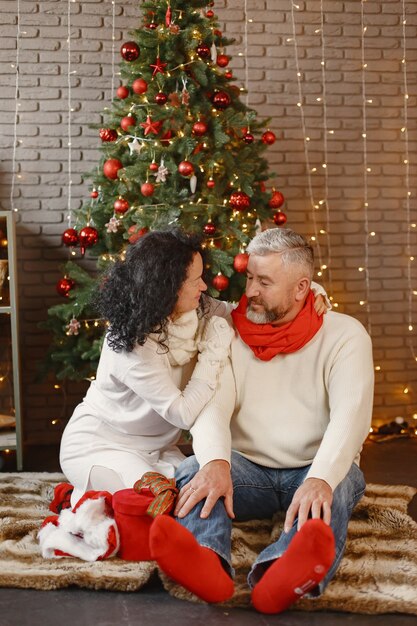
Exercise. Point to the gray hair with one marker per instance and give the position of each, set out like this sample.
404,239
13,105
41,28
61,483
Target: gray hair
295,250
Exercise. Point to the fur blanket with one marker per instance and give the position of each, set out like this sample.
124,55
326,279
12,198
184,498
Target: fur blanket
378,573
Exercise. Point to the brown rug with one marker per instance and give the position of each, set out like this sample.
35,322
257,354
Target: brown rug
378,573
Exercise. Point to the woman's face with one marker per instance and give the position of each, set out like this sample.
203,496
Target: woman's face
190,291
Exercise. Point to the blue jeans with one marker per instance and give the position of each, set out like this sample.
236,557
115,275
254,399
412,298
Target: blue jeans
258,493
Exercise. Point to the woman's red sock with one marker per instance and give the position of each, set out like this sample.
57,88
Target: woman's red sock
300,569
194,567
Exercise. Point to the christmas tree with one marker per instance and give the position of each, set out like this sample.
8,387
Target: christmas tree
178,147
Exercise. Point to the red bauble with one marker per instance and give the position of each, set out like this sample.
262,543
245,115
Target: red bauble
88,237
127,122
140,86
94,194
154,167
221,100
153,25
147,189
211,183
262,186
130,51
228,75
222,60
199,128
220,282
186,168
209,229
248,138
239,201
165,138
279,218
70,237
107,134
277,200
121,205
209,14
268,137
64,286
122,92
161,98
111,168
240,262
136,233
203,51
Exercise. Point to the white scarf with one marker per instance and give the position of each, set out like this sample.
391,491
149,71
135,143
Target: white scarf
183,335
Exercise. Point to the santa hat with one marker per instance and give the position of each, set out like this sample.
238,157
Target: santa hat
87,532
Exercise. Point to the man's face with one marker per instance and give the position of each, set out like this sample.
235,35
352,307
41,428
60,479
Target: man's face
270,290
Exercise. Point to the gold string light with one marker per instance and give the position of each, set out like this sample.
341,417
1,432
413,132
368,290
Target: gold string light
16,67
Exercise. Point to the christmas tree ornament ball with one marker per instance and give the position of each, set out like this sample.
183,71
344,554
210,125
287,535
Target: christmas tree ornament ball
279,218
121,205
221,100
220,282
140,86
239,200
127,122
240,262
130,51
222,60
111,168
277,200
70,237
268,137
147,189
122,92
186,168
107,134
64,286
209,229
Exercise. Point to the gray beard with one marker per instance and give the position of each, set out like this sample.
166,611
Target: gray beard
265,317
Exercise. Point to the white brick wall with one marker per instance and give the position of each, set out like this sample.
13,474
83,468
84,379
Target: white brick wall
41,192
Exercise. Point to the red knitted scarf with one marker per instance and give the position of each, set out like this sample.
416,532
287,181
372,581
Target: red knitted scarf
266,340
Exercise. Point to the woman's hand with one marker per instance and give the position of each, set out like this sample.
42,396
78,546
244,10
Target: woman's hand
320,305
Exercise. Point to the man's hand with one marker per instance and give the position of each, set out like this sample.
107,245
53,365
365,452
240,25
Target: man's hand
212,482
314,496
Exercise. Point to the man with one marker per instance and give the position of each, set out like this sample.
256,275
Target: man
301,400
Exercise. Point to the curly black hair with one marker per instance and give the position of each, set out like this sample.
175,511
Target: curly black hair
138,294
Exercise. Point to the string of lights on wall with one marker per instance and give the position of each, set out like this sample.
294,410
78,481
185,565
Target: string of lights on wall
69,113
113,45
366,171
309,169
16,67
411,226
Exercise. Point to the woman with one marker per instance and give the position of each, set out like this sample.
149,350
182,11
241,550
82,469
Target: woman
158,368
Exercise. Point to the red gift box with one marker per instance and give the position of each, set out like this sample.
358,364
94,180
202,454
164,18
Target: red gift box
133,523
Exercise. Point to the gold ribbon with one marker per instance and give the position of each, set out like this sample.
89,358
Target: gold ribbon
162,488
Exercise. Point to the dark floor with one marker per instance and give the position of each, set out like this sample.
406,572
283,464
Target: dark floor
392,462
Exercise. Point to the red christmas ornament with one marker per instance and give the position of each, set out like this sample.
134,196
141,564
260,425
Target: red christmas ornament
228,75
127,122
239,201
221,100
240,262
147,189
136,233
121,205
262,186
209,229
64,286
279,218
88,237
248,138
277,200
140,86
161,98
94,194
154,167
209,14
199,128
111,168
166,137
268,137
158,66
186,168
153,25
222,60
168,16
122,92
210,183
203,51
130,51
150,126
107,134
220,282
70,237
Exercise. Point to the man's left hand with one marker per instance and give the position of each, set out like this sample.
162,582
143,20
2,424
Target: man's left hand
314,496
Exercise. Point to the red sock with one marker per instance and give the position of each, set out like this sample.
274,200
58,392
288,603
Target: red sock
304,564
196,568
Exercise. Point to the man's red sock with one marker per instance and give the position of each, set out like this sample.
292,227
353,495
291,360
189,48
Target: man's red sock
180,556
304,564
